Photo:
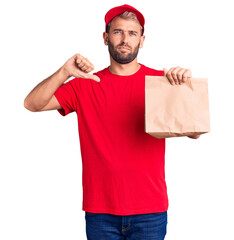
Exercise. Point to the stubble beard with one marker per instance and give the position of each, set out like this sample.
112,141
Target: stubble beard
122,58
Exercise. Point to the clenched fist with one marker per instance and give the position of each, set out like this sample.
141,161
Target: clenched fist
79,67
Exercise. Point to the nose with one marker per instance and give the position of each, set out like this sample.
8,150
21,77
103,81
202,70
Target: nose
124,37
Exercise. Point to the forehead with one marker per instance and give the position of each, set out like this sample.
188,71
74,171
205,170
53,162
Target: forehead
125,24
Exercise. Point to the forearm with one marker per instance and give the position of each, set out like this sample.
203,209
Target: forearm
43,92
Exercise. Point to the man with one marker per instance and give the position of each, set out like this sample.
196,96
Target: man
124,188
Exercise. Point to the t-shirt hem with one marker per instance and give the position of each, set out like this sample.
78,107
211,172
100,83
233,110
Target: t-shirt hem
133,212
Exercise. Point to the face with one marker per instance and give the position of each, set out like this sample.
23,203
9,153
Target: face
124,40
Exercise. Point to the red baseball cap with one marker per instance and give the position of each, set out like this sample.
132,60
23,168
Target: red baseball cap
113,12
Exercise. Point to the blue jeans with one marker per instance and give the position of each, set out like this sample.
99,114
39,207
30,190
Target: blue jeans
103,226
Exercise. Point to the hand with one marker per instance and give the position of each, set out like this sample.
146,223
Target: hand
79,67
195,136
177,75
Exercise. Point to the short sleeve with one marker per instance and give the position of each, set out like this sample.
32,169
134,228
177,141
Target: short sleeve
67,96
160,72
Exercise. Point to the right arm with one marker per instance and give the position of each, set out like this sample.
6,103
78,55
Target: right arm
42,98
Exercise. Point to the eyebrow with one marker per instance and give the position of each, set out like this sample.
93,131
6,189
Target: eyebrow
118,29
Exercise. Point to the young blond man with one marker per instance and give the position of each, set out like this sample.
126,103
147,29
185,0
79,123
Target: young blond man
124,188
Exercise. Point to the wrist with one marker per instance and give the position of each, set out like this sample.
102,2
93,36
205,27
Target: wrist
64,72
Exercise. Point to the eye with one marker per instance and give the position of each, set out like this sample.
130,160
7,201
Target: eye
133,33
116,31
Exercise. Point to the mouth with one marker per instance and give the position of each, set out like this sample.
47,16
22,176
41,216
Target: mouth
124,48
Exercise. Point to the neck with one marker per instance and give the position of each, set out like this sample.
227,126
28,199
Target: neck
124,69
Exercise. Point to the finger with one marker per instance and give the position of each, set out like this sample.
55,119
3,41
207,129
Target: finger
87,64
174,74
79,58
186,75
90,64
164,71
180,74
169,76
90,69
82,63
194,136
85,67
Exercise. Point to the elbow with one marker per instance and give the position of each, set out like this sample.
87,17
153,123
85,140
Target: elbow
28,107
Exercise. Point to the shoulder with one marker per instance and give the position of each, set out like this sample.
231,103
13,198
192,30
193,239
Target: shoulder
152,71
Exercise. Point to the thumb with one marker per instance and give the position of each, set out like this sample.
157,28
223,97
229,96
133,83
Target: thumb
91,76
164,71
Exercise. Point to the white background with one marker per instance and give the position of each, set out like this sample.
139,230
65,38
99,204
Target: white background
40,167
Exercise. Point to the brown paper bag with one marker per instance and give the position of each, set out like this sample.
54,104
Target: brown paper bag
176,110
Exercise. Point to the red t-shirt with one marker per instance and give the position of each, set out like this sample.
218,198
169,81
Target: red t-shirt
123,166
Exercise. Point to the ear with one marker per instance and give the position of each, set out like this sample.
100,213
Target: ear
142,41
105,38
